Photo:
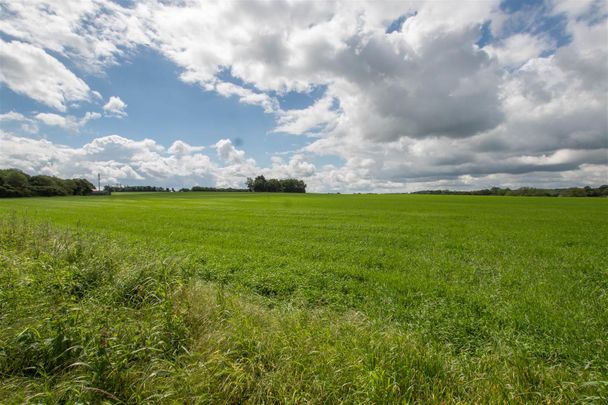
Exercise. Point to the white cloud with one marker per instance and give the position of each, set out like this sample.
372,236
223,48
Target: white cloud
31,71
88,116
53,119
182,148
28,125
388,86
228,153
298,166
519,48
127,161
421,106
115,107
12,116
319,117
92,33
68,122
118,159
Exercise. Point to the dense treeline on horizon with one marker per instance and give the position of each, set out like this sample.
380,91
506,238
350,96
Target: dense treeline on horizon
16,183
261,184
601,191
216,189
135,189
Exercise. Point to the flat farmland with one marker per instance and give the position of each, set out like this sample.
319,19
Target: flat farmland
236,297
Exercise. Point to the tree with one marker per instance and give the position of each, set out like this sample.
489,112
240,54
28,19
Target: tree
15,183
293,186
48,186
16,178
273,185
83,187
259,184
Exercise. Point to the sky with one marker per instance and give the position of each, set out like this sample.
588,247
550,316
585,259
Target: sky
380,96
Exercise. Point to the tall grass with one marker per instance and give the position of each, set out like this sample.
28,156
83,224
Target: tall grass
84,318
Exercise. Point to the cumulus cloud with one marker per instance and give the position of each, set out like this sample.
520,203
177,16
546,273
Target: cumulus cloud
53,119
425,104
182,148
429,79
92,33
29,70
318,118
246,96
115,107
28,125
12,116
298,166
127,161
118,159
228,153
398,80
68,122
519,48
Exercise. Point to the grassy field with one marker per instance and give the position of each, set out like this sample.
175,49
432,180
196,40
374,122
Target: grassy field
211,297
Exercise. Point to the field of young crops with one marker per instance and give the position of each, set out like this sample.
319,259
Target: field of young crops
234,297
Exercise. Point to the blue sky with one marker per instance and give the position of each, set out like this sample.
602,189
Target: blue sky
162,107
377,97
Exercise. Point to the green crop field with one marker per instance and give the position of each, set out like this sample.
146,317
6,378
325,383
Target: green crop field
267,298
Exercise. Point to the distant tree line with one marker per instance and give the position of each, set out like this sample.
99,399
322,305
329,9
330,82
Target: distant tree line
260,183
132,189
216,189
601,191
16,183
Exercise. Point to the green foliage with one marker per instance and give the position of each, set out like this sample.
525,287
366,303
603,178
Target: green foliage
136,189
601,191
274,186
232,298
82,319
15,183
260,184
15,178
216,189
293,186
